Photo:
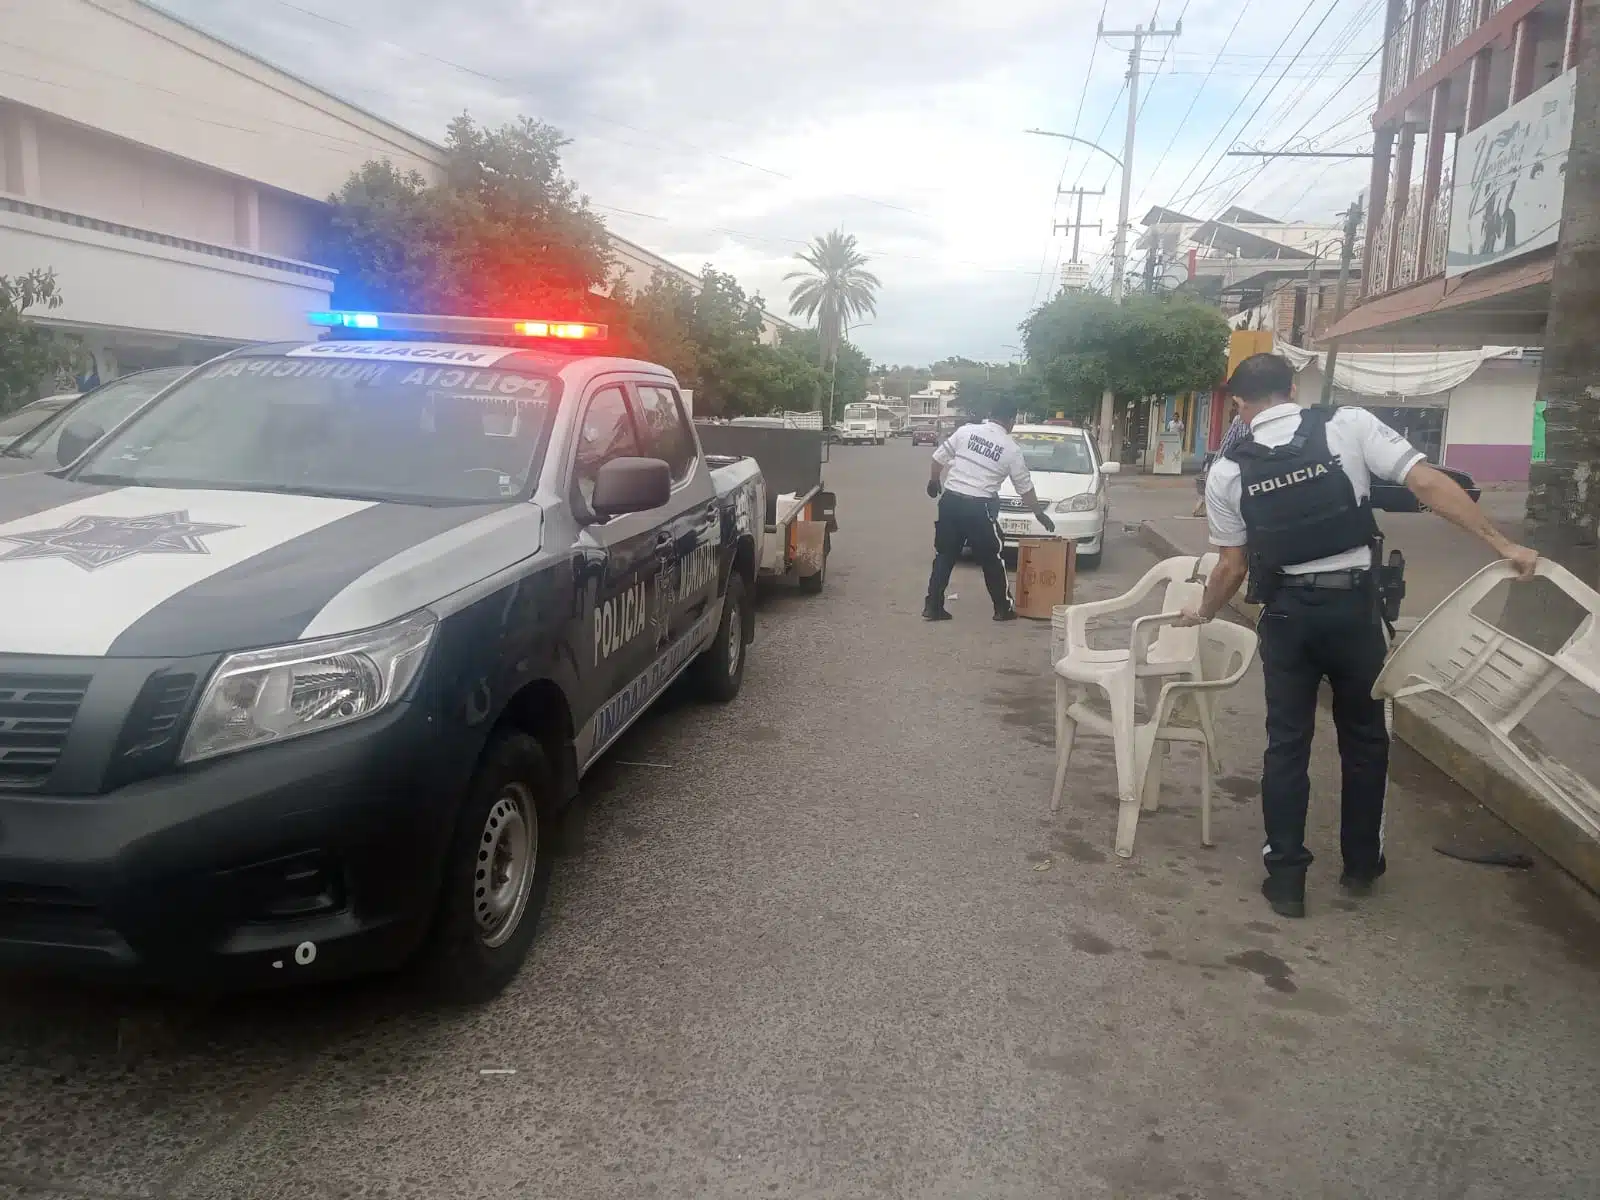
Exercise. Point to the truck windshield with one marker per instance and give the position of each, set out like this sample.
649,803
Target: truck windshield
415,433
1066,453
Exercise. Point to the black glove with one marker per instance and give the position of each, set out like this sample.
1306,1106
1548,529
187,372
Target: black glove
933,489
1044,519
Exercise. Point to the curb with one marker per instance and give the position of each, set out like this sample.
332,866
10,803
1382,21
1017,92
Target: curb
1452,746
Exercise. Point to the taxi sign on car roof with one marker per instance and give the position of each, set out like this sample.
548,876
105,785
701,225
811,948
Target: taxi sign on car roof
508,328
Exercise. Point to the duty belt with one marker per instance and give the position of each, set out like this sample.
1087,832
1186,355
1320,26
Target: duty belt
1336,581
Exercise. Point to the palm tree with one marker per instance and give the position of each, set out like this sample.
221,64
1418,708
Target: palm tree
836,288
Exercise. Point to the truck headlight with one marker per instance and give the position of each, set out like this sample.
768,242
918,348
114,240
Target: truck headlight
1084,502
261,696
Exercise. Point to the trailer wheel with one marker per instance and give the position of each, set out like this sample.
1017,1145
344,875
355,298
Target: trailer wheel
811,585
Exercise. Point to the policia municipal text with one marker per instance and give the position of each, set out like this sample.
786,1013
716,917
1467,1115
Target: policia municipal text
979,457
1290,504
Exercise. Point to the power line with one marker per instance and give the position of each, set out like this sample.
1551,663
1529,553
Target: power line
1333,5
664,142
1290,139
1077,117
1196,98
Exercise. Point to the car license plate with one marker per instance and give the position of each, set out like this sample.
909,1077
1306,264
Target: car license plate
1016,525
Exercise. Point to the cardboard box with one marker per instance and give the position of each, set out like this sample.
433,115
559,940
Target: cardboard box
1046,568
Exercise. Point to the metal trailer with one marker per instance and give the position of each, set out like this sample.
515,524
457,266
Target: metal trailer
800,519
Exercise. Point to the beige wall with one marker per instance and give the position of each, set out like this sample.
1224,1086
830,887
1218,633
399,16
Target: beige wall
122,67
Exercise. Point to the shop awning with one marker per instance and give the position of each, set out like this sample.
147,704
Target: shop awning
1401,373
1507,305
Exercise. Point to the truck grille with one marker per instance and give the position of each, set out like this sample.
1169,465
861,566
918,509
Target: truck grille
36,713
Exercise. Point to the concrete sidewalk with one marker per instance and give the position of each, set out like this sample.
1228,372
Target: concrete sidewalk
1439,558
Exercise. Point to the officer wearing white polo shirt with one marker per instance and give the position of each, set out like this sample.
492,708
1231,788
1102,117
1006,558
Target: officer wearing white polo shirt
1289,504
980,457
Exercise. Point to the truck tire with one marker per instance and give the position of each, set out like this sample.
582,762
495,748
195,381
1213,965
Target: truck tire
719,671
811,585
497,873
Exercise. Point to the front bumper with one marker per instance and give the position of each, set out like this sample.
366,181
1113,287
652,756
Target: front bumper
317,858
1086,529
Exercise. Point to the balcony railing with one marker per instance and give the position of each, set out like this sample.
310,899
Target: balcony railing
1438,230
1437,26
1401,242
1397,60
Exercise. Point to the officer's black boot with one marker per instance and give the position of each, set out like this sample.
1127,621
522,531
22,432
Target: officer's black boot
1285,890
1358,879
934,612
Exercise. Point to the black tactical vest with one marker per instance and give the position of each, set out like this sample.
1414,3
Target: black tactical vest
1297,503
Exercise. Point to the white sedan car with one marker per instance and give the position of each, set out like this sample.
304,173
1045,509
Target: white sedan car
1070,479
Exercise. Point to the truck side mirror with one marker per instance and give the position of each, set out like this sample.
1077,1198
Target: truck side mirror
76,438
630,485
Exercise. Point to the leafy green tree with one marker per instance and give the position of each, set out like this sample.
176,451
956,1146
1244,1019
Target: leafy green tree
505,234
1081,344
835,287
900,382
850,377
29,353
710,337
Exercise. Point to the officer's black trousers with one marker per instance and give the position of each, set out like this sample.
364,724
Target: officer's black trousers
1308,635
967,521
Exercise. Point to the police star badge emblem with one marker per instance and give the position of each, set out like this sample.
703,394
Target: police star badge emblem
92,542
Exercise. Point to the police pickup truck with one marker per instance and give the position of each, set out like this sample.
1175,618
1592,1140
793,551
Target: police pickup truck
299,662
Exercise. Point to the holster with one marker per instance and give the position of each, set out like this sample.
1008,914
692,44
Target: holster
1263,584
1390,575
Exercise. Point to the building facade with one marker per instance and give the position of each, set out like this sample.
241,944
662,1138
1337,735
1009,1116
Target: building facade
175,183
1472,128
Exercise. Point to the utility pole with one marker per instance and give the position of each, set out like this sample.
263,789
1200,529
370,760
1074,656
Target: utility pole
1077,225
1347,252
1119,245
1563,499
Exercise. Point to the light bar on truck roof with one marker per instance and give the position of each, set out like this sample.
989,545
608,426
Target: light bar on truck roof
420,323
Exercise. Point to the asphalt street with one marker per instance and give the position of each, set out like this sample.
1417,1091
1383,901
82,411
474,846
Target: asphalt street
829,942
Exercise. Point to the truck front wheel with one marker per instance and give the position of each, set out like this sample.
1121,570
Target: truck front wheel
719,671
497,874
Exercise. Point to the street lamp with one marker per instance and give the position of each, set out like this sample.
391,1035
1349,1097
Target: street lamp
833,364
1068,137
1119,248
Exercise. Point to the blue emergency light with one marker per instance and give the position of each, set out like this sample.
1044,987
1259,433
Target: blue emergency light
344,320
493,327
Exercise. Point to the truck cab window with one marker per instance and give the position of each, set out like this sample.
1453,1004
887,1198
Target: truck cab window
606,432
668,432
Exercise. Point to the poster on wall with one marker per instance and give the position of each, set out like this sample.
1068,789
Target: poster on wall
1509,176
1538,432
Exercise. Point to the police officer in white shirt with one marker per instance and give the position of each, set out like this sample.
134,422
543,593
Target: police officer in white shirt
980,457
1290,504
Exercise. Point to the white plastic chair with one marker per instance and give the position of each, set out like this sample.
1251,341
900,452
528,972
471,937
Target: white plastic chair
1070,622
1226,651
1494,679
1156,650
1175,651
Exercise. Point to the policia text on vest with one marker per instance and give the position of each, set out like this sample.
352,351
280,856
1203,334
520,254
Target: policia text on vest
1290,506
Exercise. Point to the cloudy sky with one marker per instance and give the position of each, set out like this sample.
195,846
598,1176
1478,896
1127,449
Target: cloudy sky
729,132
